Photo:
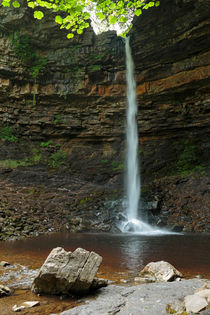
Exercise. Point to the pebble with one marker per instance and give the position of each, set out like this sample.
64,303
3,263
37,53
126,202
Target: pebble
4,263
27,304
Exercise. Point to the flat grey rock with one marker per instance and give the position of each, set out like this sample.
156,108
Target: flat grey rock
145,299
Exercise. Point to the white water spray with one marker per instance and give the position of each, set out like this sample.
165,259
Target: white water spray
133,182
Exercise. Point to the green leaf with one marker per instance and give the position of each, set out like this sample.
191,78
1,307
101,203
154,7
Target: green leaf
86,16
70,35
16,4
112,6
79,31
130,4
58,19
120,4
151,4
100,15
31,5
5,4
112,19
123,19
138,12
38,15
157,3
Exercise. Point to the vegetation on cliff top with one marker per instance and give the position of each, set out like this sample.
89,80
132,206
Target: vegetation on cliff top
74,15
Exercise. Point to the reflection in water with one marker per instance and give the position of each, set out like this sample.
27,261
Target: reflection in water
120,252
132,251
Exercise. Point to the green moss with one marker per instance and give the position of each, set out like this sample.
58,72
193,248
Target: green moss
95,67
188,161
26,51
35,159
117,166
82,201
57,159
9,164
98,56
6,134
104,161
58,119
45,144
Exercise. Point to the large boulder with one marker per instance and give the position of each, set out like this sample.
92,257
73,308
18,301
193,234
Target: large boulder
160,271
68,272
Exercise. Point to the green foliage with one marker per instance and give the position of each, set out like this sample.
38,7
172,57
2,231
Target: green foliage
117,166
58,119
75,14
45,144
9,164
140,151
6,134
27,54
95,67
104,161
188,162
82,201
57,159
35,159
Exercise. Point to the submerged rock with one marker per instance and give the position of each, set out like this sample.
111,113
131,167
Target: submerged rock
66,272
160,271
24,305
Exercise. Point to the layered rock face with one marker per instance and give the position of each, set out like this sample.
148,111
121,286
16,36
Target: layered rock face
71,117
171,53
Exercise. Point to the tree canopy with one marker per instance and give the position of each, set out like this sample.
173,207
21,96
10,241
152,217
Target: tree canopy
74,15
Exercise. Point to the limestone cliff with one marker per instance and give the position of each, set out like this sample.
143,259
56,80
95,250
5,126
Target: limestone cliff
69,120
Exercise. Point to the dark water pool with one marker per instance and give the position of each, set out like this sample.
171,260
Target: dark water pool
128,253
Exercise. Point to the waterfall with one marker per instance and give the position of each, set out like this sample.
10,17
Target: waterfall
132,178
133,182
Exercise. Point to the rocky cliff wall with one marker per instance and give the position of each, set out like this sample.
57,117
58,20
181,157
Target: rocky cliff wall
65,127
80,97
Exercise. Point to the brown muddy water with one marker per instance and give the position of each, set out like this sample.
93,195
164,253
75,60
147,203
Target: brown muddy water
123,256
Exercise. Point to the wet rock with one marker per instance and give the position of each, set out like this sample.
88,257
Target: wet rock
195,303
25,305
4,291
66,272
160,271
4,263
16,308
98,283
30,304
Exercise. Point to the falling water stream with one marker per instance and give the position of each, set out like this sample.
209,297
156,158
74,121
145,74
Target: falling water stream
133,180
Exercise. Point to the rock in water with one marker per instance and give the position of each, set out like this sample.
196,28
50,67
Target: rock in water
160,271
68,272
4,290
4,263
